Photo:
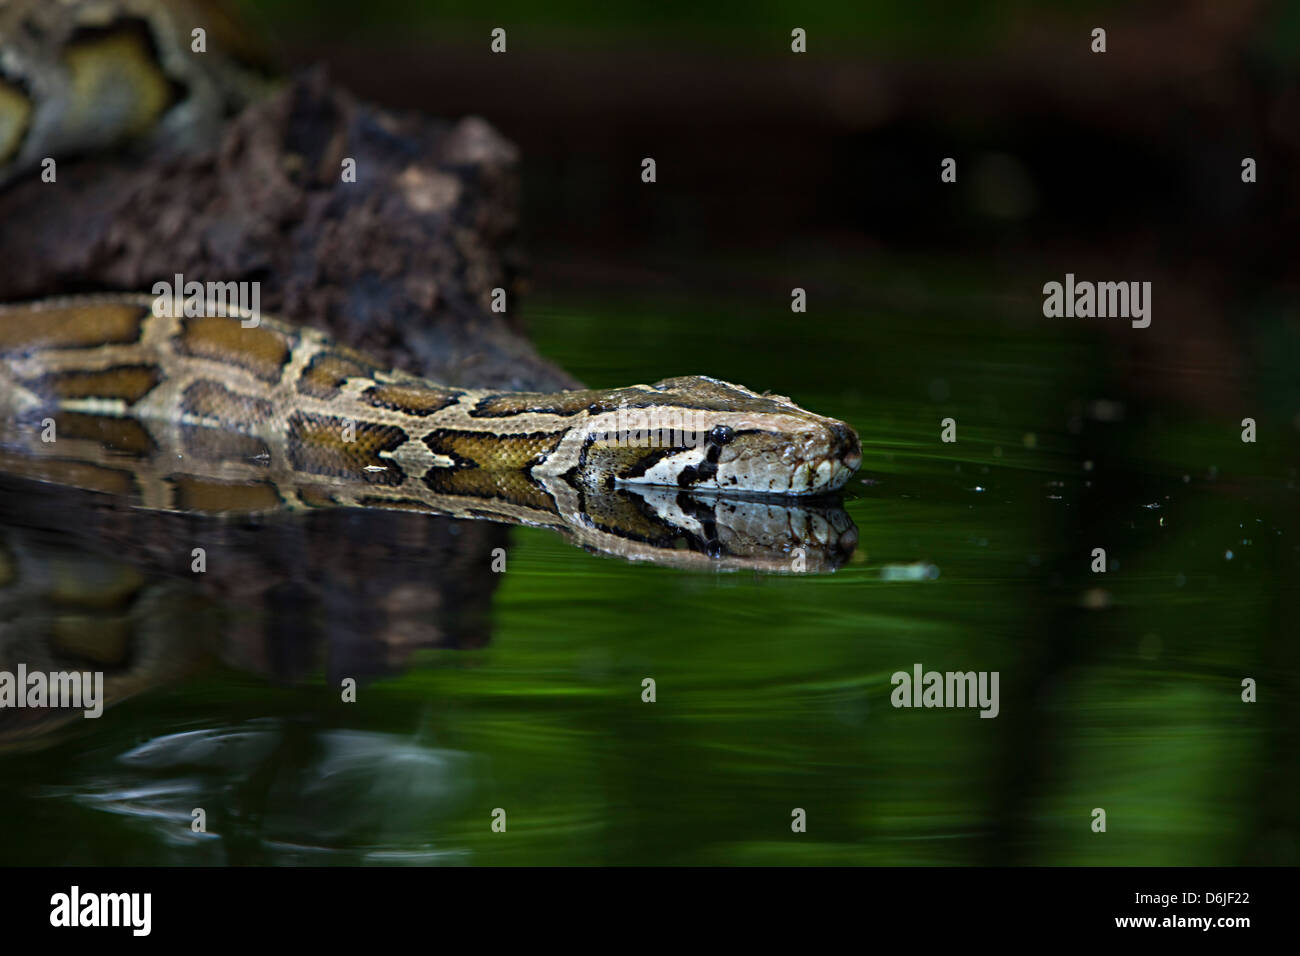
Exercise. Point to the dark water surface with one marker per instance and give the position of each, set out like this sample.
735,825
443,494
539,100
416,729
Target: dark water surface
1119,691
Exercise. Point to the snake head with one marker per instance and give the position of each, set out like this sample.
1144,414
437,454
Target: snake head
703,434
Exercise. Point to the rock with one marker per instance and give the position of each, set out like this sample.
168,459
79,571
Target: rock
400,263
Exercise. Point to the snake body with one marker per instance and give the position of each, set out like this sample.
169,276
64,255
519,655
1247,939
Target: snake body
212,413
81,75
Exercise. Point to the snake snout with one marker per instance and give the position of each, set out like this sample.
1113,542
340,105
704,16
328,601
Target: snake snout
846,447
827,455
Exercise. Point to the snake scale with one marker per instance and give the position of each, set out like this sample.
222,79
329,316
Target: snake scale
219,410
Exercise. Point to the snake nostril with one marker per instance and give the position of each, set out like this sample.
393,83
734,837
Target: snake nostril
845,445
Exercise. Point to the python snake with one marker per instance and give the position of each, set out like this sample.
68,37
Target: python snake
212,412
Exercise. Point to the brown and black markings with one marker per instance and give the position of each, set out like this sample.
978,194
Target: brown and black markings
219,444
124,383
475,483
74,473
628,461
212,405
319,445
568,404
411,399
509,404
625,514
493,451
489,466
610,459
261,351
87,325
328,371
120,435
211,496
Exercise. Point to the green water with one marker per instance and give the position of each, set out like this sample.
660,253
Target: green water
1119,691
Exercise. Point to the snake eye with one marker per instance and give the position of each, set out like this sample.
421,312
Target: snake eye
721,434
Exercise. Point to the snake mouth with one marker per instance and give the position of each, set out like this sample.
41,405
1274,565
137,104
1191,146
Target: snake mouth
822,474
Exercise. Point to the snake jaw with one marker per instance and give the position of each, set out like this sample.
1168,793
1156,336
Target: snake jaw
820,474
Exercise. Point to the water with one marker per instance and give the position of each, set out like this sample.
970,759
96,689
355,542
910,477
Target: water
1118,690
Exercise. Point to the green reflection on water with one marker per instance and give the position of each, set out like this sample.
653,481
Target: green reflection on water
773,693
